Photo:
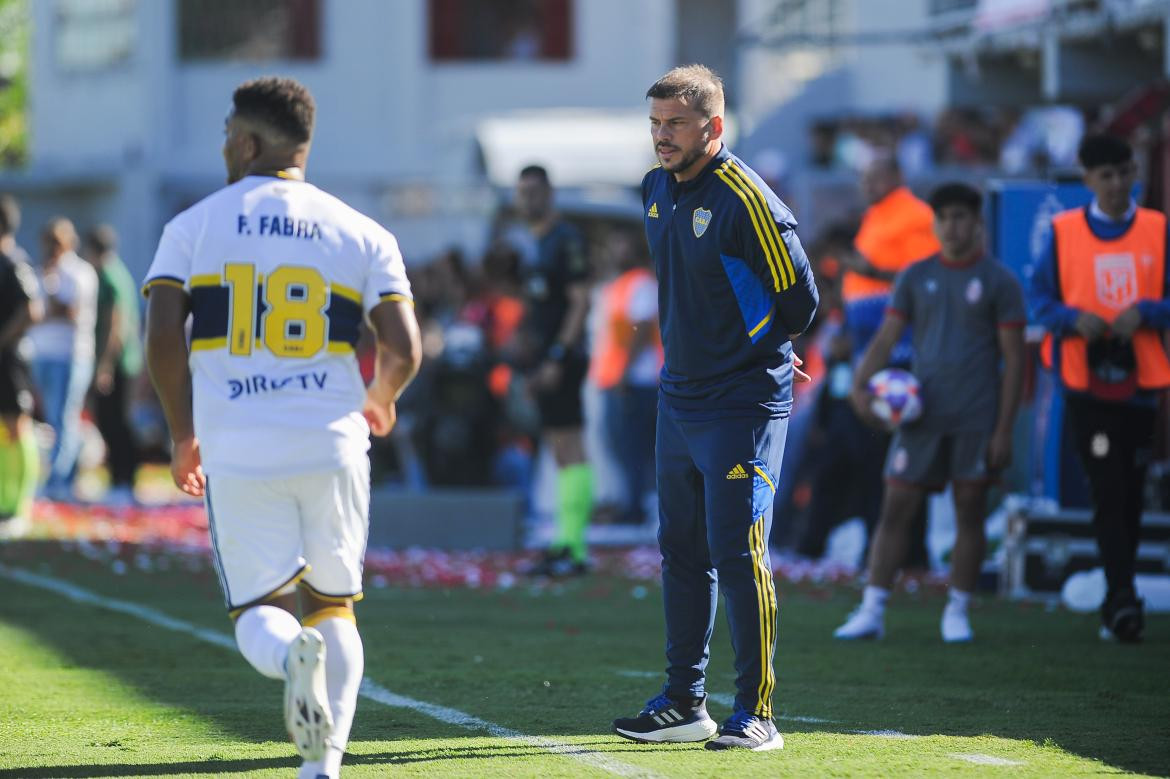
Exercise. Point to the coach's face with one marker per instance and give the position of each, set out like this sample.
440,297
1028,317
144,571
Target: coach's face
959,231
682,135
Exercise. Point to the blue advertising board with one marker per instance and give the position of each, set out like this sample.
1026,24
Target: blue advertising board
1020,229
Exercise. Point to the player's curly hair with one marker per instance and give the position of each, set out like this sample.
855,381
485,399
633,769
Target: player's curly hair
283,104
696,85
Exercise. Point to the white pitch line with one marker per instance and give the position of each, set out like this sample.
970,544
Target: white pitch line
979,759
884,733
369,689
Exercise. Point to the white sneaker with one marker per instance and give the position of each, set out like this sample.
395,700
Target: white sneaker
862,624
306,702
956,626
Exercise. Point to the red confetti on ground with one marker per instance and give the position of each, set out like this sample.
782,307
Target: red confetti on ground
175,537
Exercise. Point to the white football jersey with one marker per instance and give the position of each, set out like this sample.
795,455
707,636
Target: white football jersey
279,276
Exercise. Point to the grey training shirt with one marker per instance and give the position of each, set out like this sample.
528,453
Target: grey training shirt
955,312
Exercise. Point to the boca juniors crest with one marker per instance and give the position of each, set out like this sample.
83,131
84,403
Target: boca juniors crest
700,221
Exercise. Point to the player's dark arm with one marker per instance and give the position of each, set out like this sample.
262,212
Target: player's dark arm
573,325
860,264
399,350
1011,383
166,358
24,315
876,357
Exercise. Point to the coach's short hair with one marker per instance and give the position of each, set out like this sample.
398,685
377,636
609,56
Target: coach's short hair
283,104
696,85
9,215
956,193
1101,149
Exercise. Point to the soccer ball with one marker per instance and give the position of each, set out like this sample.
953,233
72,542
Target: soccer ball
897,396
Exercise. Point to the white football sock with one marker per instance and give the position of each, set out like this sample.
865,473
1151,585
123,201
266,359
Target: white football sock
344,666
874,599
264,634
310,770
958,600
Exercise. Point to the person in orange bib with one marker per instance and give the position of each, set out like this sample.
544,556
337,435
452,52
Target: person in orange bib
1100,292
627,359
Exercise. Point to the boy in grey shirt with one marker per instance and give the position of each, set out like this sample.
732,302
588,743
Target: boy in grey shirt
966,314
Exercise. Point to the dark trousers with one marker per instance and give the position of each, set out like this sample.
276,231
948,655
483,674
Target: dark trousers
1114,442
716,485
112,414
629,428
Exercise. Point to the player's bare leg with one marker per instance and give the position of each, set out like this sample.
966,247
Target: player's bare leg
886,553
966,559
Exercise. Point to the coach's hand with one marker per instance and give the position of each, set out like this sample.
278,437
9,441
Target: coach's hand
1090,326
187,467
799,376
999,450
380,415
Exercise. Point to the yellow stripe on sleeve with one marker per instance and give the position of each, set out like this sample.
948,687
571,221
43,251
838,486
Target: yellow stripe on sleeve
396,297
721,172
148,286
787,268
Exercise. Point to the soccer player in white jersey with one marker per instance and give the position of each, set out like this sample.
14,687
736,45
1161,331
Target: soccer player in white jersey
268,414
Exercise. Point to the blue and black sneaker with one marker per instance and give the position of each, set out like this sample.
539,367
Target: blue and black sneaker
744,730
665,720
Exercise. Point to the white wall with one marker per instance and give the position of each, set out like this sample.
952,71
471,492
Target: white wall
387,115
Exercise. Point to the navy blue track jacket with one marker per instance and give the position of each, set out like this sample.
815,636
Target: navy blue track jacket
733,283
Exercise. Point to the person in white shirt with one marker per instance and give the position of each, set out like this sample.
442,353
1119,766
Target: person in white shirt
63,348
268,414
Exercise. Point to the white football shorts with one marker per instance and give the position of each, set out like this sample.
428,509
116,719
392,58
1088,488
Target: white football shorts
269,533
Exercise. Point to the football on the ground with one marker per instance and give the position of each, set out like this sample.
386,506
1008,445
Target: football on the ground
897,396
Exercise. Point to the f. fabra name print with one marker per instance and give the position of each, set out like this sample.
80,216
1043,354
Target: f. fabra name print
278,226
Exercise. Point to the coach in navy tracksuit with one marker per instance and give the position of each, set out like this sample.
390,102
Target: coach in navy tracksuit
734,284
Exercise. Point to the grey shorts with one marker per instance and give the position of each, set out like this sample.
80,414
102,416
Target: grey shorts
929,459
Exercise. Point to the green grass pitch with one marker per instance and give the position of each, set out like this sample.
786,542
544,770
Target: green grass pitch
537,675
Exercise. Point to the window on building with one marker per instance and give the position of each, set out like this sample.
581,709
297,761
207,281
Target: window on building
249,30
93,35
507,30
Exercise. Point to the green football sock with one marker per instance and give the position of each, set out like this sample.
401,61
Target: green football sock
11,472
574,502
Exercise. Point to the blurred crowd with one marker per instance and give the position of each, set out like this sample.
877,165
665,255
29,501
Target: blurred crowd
1009,140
